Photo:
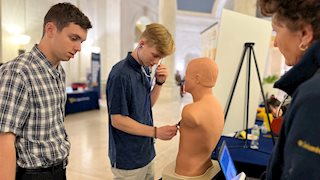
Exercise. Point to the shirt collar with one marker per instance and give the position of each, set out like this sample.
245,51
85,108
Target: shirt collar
134,63
55,72
302,71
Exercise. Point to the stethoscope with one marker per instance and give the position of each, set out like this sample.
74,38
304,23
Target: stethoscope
148,76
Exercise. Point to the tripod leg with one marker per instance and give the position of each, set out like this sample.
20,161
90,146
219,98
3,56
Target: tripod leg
262,92
248,93
235,80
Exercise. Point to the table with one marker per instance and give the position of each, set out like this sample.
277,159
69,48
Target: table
82,101
250,161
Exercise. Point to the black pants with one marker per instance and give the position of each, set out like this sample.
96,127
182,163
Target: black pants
55,174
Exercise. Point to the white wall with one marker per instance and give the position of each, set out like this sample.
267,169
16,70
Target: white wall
235,30
14,21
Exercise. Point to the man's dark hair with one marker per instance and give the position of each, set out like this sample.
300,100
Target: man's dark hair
64,13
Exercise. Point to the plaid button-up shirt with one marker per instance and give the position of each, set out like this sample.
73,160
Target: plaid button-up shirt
32,106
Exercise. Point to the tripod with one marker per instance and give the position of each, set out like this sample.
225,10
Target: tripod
248,48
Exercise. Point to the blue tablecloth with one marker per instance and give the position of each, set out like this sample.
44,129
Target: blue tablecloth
244,154
252,162
82,101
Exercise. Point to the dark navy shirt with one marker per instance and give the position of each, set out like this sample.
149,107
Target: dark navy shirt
297,152
128,94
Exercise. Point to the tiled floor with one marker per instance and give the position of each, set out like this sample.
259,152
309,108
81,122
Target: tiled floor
88,133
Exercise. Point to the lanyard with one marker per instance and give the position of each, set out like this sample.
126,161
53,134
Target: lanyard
148,98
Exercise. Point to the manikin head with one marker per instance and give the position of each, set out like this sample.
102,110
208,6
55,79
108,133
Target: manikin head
201,73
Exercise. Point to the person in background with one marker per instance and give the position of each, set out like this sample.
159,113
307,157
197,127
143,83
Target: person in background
296,154
177,77
32,100
278,110
275,107
130,96
179,82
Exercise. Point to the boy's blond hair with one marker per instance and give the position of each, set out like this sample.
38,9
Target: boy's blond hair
156,34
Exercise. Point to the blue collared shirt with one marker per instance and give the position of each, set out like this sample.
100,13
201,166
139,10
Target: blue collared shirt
128,94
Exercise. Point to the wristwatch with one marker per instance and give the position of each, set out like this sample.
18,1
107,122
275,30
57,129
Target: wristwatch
159,83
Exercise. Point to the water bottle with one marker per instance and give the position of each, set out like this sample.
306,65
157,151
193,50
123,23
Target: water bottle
255,141
264,129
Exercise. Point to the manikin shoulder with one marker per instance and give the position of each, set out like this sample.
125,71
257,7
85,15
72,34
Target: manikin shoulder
189,115
197,112
192,113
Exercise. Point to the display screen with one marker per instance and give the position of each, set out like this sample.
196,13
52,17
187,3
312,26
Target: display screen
226,162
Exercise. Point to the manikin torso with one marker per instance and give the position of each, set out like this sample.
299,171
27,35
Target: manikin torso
201,125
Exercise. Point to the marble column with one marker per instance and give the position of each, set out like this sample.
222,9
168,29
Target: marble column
167,17
248,7
109,33
1,33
